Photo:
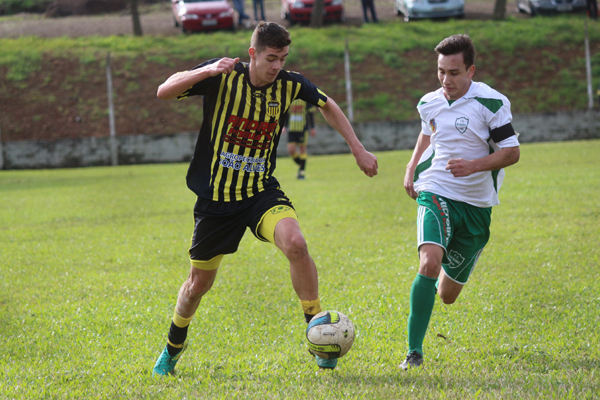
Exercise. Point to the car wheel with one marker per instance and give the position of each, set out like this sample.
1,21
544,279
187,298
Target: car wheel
532,10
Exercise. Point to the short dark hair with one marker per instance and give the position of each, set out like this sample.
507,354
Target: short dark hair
270,34
458,44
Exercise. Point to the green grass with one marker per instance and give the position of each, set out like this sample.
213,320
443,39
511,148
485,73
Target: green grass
92,260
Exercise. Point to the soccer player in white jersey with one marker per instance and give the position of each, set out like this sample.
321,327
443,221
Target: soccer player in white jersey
454,175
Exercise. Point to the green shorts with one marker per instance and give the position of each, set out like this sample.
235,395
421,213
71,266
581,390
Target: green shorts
461,229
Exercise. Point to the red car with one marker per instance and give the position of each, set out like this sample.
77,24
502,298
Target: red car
202,15
300,10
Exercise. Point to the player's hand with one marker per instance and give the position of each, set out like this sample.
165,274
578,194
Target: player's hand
223,66
409,184
460,167
367,163
313,132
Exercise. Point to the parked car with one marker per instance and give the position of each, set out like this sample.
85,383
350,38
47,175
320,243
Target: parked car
301,10
202,15
535,7
413,9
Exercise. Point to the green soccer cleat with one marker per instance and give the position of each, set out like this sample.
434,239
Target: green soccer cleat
165,365
326,363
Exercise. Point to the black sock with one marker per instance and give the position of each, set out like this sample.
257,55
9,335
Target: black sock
177,336
308,317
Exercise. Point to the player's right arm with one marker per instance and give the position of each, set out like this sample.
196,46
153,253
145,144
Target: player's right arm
178,83
422,144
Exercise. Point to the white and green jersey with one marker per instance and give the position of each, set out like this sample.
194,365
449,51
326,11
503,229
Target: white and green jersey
464,128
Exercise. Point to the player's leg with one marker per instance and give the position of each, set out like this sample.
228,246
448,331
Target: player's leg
467,244
303,271
196,285
303,156
279,225
293,151
422,300
302,141
213,237
433,228
448,290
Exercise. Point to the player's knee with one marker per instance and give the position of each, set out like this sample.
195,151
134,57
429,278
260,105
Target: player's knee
197,288
430,267
199,283
447,299
295,246
430,261
448,294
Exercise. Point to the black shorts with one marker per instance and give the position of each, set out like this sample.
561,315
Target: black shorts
220,226
300,138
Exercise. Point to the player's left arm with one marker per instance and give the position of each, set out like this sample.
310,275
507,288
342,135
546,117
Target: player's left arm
498,160
509,154
366,161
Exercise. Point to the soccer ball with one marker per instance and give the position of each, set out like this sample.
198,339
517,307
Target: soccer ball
330,334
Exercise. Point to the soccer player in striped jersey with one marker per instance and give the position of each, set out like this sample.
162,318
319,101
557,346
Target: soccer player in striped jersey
232,171
455,173
300,121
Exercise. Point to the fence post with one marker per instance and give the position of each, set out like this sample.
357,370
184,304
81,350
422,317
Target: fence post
588,68
111,113
348,83
1,151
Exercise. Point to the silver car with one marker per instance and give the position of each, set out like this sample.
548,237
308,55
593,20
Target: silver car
412,9
535,7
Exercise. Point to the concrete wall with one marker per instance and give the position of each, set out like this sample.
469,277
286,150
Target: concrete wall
379,136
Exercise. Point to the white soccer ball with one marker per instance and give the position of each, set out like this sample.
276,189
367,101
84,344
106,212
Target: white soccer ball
330,334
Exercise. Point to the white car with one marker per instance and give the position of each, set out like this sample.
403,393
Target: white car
412,9
535,7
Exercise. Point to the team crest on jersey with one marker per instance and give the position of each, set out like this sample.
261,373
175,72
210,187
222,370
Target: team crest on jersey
432,125
272,108
461,124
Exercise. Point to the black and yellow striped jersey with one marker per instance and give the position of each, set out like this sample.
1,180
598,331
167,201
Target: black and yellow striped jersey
236,151
300,117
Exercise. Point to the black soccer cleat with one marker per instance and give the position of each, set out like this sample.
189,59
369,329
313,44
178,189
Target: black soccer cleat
413,360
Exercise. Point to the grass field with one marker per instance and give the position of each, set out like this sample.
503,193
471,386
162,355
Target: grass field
91,261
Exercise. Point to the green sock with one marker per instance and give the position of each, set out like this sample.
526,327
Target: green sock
422,299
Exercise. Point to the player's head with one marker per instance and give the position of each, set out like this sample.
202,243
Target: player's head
268,51
270,34
456,65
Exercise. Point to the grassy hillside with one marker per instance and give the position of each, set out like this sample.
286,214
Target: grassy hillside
56,88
